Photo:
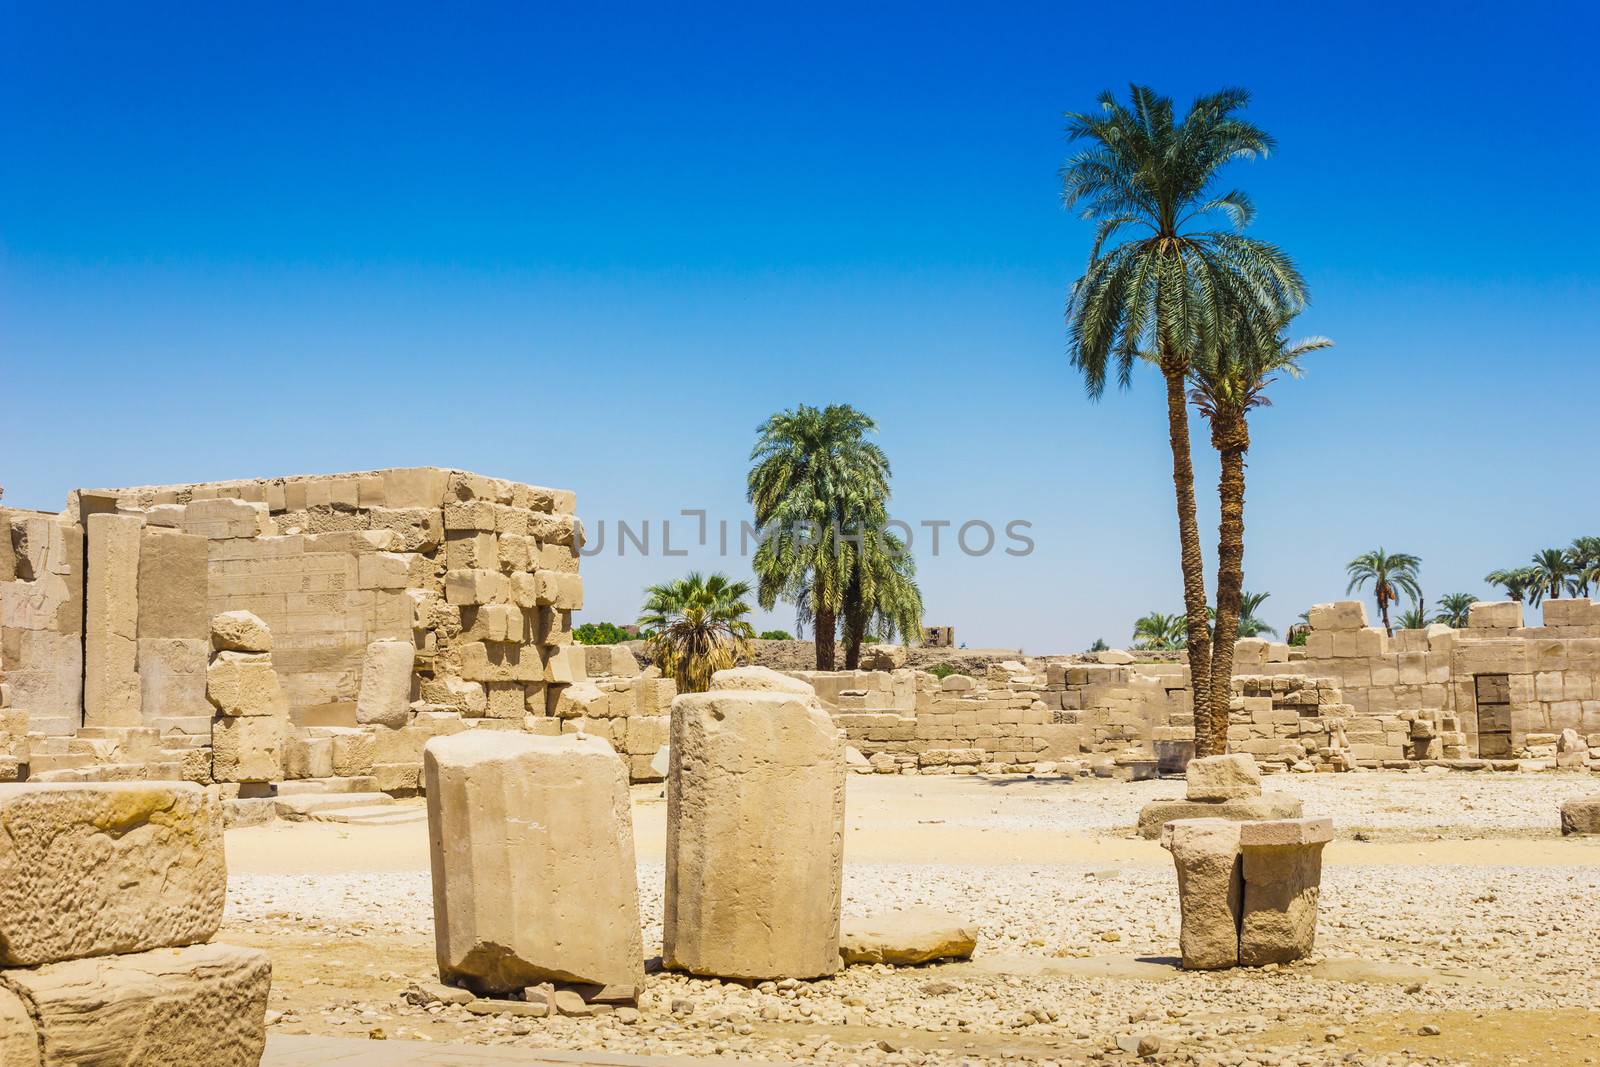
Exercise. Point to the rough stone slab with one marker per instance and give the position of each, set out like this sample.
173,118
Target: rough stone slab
385,696
531,847
907,937
1266,806
244,683
201,1005
93,869
240,631
1210,890
1581,815
1278,833
111,678
755,836
1340,615
248,748
1229,777
172,585
1282,885
759,680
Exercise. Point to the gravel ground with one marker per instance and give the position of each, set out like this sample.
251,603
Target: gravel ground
1500,960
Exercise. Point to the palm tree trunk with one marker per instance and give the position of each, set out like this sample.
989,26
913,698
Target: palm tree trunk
1194,574
824,624
1231,438
855,629
1383,610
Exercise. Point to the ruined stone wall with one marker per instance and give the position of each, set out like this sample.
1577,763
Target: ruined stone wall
41,619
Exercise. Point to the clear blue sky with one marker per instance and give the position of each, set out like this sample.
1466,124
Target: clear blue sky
593,246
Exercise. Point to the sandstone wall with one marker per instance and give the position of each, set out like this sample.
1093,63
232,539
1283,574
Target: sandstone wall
41,619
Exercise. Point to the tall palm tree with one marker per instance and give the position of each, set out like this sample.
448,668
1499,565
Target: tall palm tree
1551,567
820,491
1520,583
1168,286
1584,552
1391,573
1454,609
1159,632
1230,379
697,627
1250,624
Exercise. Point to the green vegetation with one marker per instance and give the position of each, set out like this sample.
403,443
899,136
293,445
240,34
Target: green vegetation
1250,624
1159,632
1099,645
820,491
601,633
1390,574
776,635
1454,608
696,627
1174,291
942,671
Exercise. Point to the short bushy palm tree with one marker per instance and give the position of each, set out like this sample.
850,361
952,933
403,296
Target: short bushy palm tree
1230,379
820,491
1251,624
882,600
1584,555
1157,281
1454,608
1159,632
1550,569
696,627
1390,574
1414,618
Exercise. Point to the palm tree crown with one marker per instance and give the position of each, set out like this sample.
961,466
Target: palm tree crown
696,627
1454,609
1550,570
1159,632
1391,573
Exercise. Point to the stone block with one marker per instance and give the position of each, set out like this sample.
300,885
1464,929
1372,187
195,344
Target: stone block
111,654
248,748
205,1004
1282,863
172,585
239,631
308,757
102,868
1266,806
1229,777
244,684
907,937
533,862
1502,614
1339,615
1581,815
753,898
385,694
1210,890
172,677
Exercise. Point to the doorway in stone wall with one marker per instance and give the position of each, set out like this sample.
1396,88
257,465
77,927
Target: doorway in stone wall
1493,697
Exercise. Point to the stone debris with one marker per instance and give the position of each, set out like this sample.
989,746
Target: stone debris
1581,815
1219,787
239,631
755,833
907,937
531,844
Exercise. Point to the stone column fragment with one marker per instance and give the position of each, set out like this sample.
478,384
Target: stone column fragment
533,862
1282,881
111,694
755,832
1210,890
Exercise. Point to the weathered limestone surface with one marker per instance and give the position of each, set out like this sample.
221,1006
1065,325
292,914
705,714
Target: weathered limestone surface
1230,777
1581,816
759,680
907,937
248,748
239,631
1210,890
201,1005
1282,863
385,696
1155,815
755,835
111,639
87,870
533,862
244,683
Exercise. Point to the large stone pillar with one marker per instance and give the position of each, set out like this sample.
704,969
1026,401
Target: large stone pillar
755,830
534,878
111,623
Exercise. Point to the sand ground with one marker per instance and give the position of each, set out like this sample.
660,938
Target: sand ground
1450,902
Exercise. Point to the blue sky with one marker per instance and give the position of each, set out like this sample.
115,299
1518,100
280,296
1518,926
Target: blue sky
593,246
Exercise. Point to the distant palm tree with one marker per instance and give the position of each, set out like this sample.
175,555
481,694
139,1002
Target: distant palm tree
820,491
697,627
1454,609
1551,568
1414,618
1391,573
1250,625
1520,583
1584,555
1171,288
882,601
1158,632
